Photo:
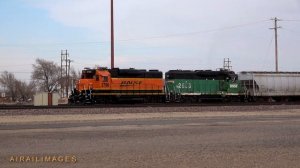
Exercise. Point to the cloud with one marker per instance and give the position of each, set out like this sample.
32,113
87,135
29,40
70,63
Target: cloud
76,13
17,61
136,19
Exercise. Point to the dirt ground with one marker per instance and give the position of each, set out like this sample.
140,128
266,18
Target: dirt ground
211,139
95,117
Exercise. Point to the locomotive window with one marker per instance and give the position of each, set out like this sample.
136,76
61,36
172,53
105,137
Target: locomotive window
88,74
97,77
105,79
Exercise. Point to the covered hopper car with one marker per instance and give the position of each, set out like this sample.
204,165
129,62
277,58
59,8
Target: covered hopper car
271,86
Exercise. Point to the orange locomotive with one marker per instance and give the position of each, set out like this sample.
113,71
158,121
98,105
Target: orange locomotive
103,85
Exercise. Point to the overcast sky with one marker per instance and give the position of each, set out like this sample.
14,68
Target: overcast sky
150,34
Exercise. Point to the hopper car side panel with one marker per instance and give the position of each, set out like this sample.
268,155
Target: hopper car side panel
271,84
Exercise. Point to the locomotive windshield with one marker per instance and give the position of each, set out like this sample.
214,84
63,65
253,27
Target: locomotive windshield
88,74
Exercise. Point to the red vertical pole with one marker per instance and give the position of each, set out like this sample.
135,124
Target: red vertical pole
50,99
112,35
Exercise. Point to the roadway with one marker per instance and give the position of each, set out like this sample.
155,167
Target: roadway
206,139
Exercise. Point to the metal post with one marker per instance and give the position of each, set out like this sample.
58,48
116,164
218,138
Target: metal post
253,85
112,35
67,73
61,85
61,71
68,79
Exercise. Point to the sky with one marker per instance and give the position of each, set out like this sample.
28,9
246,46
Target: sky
150,34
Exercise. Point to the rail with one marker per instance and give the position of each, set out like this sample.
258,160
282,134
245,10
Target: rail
136,105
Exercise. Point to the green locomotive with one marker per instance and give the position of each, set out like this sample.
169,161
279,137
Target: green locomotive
195,86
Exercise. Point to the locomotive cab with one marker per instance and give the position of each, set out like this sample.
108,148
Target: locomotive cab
91,81
94,78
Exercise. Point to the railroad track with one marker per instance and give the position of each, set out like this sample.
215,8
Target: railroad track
137,105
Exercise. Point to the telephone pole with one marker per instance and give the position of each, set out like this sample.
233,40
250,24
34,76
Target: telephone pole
112,47
275,28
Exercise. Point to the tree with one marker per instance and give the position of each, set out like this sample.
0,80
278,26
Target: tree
74,77
25,91
46,75
8,81
16,89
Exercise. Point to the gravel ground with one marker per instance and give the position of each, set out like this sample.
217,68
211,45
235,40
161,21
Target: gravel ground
146,110
17,119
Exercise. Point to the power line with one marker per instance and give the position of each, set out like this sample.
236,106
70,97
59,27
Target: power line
14,65
289,30
293,32
16,72
265,59
295,20
196,32
269,45
145,38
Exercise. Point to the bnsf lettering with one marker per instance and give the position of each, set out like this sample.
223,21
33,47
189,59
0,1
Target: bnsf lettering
105,84
129,83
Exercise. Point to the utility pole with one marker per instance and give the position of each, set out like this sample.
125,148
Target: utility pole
65,79
275,28
112,47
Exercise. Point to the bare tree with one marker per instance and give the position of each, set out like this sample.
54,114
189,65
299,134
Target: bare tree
74,77
8,81
16,89
21,89
46,75
25,91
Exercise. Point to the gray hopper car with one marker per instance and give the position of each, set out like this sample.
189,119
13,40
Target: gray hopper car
275,85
